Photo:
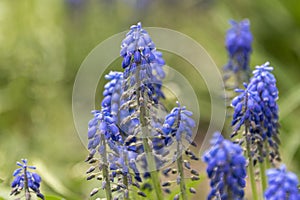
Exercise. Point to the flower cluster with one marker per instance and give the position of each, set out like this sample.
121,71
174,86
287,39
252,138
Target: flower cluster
179,122
142,83
26,180
226,169
131,141
129,134
177,128
257,110
105,138
282,185
115,130
142,58
238,43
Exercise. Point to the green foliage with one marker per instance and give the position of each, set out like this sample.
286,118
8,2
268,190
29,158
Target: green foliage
53,198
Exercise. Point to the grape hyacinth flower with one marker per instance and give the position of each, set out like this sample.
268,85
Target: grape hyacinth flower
105,138
130,138
179,123
143,74
177,129
263,83
238,44
116,130
248,114
26,180
141,57
282,185
226,168
256,110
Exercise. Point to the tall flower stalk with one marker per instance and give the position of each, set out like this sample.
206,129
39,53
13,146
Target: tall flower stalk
256,110
141,92
105,138
177,128
122,132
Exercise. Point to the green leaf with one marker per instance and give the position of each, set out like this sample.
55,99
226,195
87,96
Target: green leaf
48,197
52,181
4,193
290,102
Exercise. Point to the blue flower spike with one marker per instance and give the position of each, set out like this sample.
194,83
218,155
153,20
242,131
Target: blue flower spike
26,180
226,169
238,43
142,92
179,124
138,49
178,128
282,185
256,109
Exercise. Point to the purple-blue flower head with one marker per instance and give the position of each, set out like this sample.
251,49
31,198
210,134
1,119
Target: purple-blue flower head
25,179
105,121
256,109
179,123
282,184
140,56
226,169
263,83
238,43
247,110
102,123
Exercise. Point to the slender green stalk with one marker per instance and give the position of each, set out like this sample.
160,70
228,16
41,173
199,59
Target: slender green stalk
250,166
27,192
152,170
263,178
105,170
145,134
181,172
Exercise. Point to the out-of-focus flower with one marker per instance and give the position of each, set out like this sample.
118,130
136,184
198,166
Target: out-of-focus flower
238,44
226,168
282,185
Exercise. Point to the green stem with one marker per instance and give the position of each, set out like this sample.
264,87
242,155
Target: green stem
251,167
263,178
145,134
152,170
105,170
181,173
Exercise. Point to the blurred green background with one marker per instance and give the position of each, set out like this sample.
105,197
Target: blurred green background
43,43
